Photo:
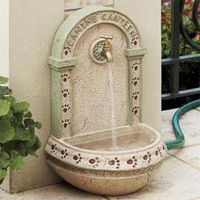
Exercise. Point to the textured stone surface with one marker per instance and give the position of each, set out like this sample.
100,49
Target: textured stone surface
104,184
91,95
114,172
140,142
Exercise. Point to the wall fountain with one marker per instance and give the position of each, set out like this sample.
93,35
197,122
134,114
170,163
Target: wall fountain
98,142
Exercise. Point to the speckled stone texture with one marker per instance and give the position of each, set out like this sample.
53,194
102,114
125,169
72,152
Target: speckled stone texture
103,171
105,184
91,95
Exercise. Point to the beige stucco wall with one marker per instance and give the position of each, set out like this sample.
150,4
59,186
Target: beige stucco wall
146,15
4,37
4,51
32,27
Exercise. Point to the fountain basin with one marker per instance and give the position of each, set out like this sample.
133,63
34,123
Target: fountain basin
89,163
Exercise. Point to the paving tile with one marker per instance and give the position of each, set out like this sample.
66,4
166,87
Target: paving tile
190,124
167,131
62,191
174,180
198,108
190,155
196,198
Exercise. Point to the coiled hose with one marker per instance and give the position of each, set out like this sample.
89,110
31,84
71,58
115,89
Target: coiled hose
180,139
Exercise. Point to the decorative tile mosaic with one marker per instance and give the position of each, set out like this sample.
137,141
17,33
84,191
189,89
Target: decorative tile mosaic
85,159
65,105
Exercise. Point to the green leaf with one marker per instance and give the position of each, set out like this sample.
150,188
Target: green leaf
22,134
28,115
21,107
17,131
4,160
21,149
3,80
3,174
14,145
33,145
16,160
38,125
18,119
7,132
10,99
4,90
7,117
29,122
4,107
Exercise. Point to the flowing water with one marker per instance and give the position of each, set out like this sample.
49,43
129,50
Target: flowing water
112,103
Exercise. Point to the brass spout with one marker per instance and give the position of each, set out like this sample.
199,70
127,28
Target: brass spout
106,51
108,56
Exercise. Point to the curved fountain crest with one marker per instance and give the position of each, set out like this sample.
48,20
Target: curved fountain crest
79,22
79,147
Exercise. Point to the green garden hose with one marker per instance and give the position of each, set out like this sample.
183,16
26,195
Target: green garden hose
180,139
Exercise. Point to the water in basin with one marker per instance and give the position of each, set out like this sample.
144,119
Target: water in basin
127,138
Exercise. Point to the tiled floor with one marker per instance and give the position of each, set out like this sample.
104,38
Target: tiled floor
177,179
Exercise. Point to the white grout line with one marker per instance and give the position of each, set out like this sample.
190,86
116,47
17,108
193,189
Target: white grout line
183,161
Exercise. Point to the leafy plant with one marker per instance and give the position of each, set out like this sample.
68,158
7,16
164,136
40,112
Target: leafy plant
188,71
17,131
185,49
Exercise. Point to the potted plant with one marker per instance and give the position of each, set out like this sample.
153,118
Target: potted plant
17,131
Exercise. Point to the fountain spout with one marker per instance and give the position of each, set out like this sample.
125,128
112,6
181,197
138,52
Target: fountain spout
106,51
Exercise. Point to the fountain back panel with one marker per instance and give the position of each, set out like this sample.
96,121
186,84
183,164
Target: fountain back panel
97,141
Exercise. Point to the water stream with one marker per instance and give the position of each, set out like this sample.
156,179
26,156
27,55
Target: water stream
112,103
